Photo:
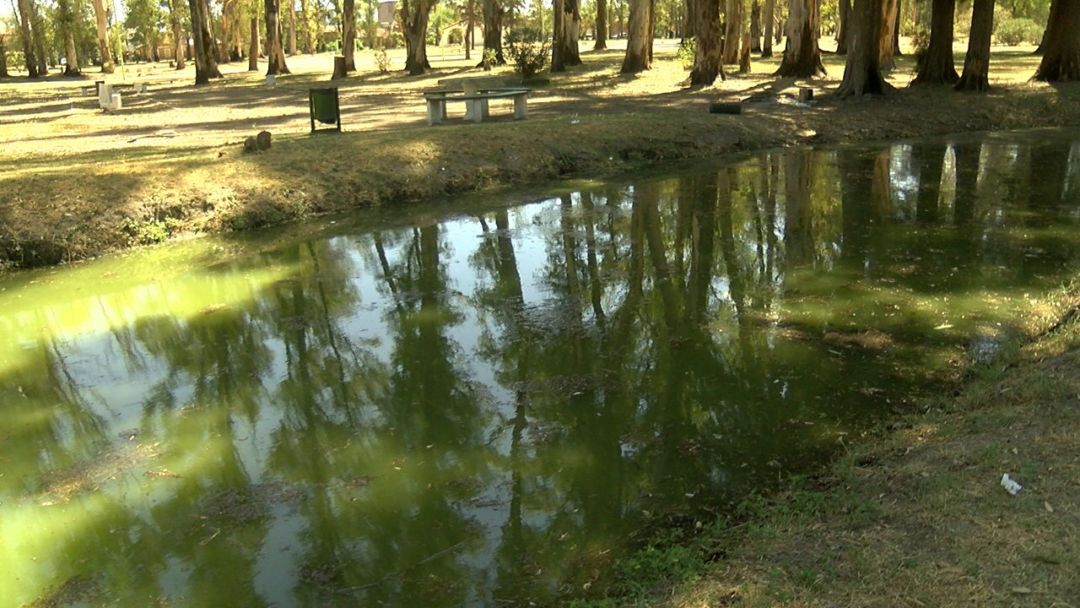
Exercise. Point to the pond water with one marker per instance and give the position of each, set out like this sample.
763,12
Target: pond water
487,408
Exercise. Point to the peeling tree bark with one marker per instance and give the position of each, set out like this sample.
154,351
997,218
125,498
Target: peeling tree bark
103,37
802,56
275,53
707,64
564,47
637,45
732,31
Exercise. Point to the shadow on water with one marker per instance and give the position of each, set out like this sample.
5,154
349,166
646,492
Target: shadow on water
488,409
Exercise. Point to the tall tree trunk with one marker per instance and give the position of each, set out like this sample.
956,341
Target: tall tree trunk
275,52
3,56
936,65
206,66
178,38
414,21
567,23
38,34
896,29
887,48
651,36
802,56
862,71
291,48
707,64
348,44
977,62
733,18
755,26
27,39
770,23
305,27
843,29
601,25
637,44
1061,49
253,47
470,24
66,18
103,37
493,17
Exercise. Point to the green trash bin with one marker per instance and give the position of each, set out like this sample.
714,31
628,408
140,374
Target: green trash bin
324,107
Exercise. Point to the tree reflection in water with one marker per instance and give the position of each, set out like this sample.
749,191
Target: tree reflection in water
492,409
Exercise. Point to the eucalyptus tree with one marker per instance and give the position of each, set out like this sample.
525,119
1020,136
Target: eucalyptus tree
566,27
638,55
1061,45
802,56
936,65
348,34
414,16
601,32
755,26
101,21
179,40
291,40
707,60
253,42
67,22
843,17
770,22
203,47
862,71
308,36
494,11
733,25
977,61
27,38
275,52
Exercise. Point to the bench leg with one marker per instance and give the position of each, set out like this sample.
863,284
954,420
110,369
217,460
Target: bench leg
475,110
436,110
484,108
520,110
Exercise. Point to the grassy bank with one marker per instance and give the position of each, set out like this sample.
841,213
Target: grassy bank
912,515
79,183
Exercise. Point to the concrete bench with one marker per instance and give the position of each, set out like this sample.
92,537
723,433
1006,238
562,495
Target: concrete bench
476,104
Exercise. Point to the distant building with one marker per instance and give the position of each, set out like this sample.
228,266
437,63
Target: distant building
386,13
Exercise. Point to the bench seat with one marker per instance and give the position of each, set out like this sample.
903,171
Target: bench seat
476,104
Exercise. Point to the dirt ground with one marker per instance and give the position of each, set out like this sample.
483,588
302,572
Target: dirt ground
78,182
